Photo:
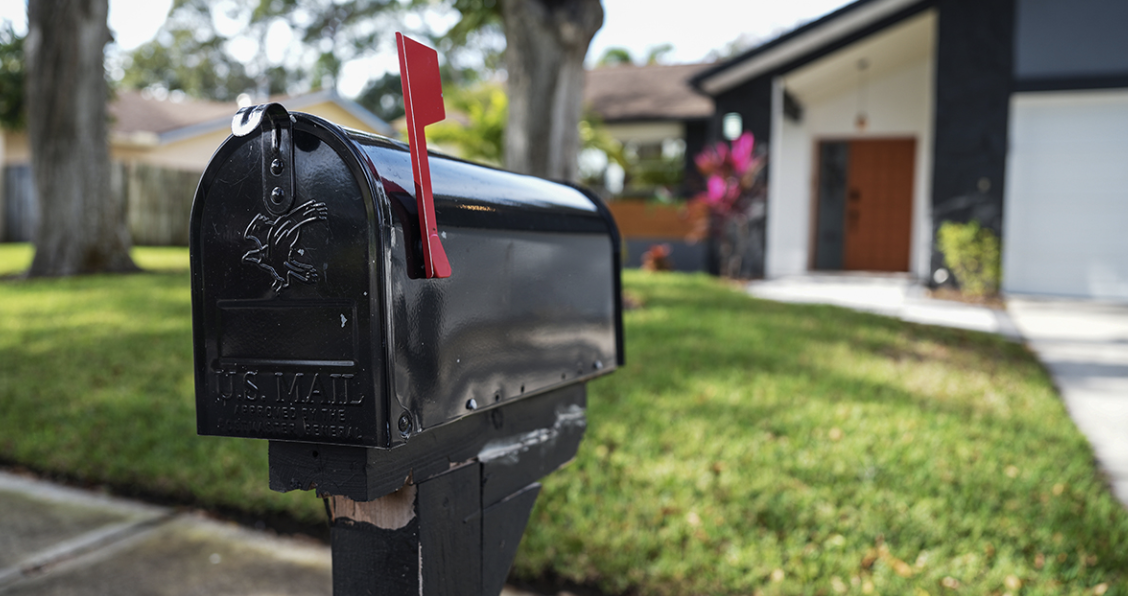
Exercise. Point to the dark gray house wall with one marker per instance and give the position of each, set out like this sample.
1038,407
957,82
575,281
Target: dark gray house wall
1074,44
974,62
974,66
696,138
753,101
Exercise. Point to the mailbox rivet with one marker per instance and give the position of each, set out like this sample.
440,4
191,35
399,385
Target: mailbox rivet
276,167
277,196
472,404
405,423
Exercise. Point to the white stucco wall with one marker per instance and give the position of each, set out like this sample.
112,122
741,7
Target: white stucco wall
646,132
789,190
1066,202
898,104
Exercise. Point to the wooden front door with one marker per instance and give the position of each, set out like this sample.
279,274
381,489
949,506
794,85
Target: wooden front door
864,219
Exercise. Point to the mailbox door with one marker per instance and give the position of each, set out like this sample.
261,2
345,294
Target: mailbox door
288,320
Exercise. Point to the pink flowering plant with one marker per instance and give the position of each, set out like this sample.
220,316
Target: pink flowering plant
735,197
730,173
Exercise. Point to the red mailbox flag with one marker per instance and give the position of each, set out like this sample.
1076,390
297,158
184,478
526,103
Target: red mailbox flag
423,102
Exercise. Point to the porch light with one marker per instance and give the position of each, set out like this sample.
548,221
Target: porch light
862,120
732,126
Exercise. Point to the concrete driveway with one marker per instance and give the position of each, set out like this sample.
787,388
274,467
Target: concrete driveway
1084,344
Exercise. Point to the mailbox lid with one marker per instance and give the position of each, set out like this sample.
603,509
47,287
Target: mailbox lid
533,302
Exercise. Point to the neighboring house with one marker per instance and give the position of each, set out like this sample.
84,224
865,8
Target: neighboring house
887,117
654,112
662,122
159,149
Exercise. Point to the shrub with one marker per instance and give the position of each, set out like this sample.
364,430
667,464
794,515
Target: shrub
971,253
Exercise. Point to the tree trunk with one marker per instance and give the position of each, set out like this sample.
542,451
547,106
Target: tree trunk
82,227
546,41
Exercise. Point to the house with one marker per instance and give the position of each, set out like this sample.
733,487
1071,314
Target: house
159,147
888,117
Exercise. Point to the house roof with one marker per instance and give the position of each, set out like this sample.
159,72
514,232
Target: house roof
652,92
143,119
791,48
135,112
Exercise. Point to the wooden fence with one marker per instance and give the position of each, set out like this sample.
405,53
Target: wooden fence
19,212
643,219
158,203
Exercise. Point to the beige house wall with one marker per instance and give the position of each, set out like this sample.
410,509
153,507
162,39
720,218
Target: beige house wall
189,154
14,148
336,114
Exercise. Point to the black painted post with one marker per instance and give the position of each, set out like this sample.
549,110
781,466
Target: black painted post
432,538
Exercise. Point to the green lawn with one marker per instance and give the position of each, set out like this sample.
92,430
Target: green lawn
747,447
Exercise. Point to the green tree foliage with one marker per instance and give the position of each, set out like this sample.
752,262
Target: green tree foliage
383,97
13,116
620,56
475,124
179,60
972,254
472,49
616,56
657,54
474,16
336,31
191,53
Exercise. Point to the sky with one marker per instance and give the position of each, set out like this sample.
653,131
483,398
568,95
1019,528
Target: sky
694,29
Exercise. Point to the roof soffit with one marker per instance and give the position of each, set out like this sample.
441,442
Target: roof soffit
905,43
836,26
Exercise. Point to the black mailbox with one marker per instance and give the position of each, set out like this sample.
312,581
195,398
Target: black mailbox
412,334
313,320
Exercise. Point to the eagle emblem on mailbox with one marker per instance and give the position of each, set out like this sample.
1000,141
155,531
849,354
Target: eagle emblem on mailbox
277,241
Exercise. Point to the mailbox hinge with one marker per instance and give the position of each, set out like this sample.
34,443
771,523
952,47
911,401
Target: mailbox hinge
277,152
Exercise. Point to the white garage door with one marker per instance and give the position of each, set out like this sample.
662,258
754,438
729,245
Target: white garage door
1066,206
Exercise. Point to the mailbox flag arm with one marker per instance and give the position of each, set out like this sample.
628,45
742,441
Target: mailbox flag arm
423,104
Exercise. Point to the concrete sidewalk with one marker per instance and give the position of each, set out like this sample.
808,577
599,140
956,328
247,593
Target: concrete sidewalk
60,541
892,295
1083,343
67,542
